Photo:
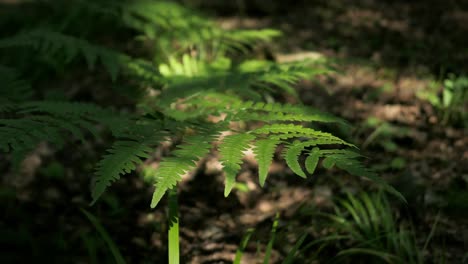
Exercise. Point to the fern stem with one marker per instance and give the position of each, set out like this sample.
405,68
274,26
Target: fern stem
173,235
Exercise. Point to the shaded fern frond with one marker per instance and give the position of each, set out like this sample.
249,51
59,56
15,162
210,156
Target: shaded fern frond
122,158
29,123
167,22
231,150
159,18
241,40
135,143
55,43
13,88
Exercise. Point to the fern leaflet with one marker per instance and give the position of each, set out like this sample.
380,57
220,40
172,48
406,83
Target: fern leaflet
264,151
171,169
312,160
292,158
121,158
231,150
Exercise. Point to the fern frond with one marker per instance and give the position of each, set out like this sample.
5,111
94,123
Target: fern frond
240,110
29,123
241,83
312,160
171,169
264,150
14,89
285,131
231,150
284,75
291,156
166,20
122,157
65,109
241,40
51,43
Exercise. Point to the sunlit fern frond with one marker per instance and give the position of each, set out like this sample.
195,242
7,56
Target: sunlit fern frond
171,169
231,150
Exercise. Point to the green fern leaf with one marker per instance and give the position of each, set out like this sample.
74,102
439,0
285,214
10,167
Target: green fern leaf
123,158
292,158
51,43
312,160
231,150
171,169
264,151
291,130
14,89
328,162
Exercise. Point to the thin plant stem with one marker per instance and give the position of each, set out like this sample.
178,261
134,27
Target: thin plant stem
173,235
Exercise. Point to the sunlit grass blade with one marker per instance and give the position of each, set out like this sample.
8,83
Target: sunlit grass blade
173,233
105,236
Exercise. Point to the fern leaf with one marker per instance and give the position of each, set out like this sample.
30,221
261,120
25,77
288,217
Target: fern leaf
292,158
122,158
241,40
286,130
312,160
264,151
50,42
171,169
231,150
14,89
329,162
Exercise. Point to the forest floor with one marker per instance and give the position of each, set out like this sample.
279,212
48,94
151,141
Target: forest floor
385,58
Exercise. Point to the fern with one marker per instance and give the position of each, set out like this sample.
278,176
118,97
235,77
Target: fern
312,160
171,169
231,150
285,131
27,124
185,92
165,22
122,158
55,44
292,159
264,151
14,89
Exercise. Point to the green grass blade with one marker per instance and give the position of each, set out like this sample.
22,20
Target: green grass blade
90,246
290,257
269,248
243,245
431,234
105,236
